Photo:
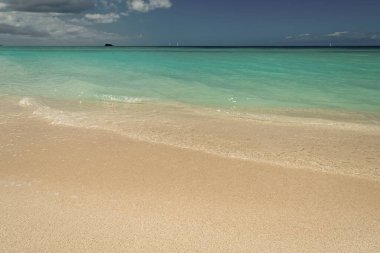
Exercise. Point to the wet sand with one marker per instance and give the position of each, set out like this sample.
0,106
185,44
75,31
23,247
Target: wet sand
65,189
348,145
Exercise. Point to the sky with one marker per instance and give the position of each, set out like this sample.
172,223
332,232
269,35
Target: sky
190,22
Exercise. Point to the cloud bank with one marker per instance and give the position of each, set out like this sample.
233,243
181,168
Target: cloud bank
334,36
55,6
43,25
68,19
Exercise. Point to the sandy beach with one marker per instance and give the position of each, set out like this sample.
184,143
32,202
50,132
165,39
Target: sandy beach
70,189
169,126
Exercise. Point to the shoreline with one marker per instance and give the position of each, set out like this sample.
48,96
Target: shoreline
320,145
344,119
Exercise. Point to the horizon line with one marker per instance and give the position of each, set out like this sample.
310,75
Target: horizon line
200,46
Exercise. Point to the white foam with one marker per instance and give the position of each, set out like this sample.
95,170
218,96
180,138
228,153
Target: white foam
122,99
232,99
26,102
55,117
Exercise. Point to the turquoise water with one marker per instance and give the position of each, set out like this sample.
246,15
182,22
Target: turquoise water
240,78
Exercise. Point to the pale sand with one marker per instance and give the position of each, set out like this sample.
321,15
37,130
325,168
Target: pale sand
68,189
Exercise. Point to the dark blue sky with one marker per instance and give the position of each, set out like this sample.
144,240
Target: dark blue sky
190,22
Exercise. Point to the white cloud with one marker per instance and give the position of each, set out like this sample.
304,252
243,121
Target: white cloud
146,6
102,18
45,25
303,36
337,34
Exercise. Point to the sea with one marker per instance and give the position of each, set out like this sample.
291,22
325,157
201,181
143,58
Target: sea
246,79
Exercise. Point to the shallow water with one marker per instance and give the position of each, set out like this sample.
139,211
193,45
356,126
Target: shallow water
247,79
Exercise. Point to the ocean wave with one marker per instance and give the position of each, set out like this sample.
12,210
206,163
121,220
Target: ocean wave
26,102
55,117
121,99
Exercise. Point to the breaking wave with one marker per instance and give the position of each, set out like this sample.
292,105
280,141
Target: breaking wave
55,117
121,99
